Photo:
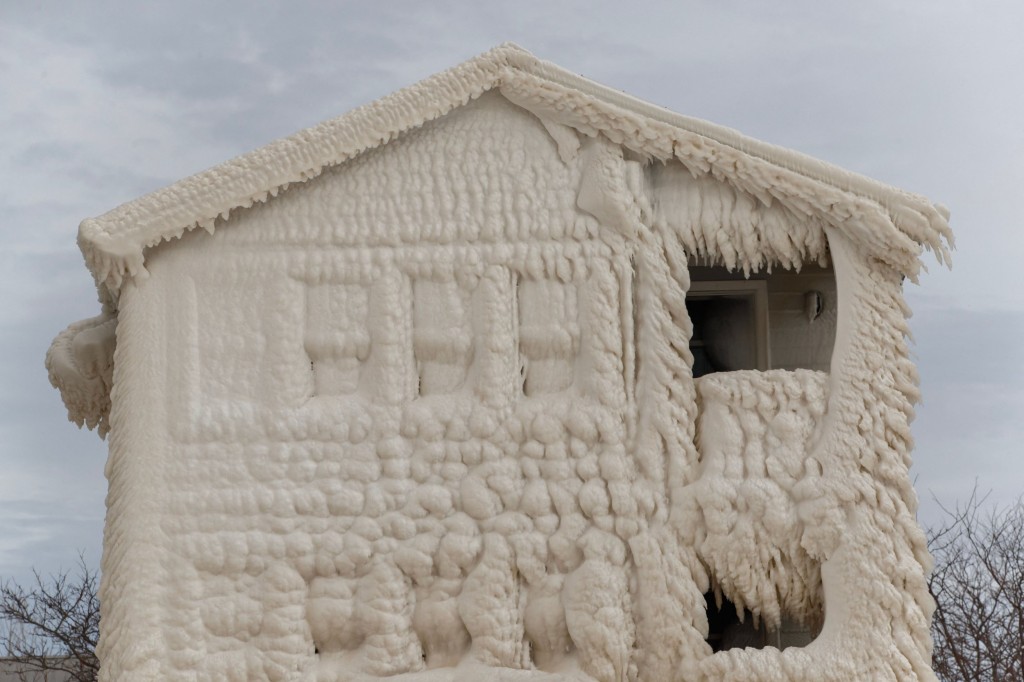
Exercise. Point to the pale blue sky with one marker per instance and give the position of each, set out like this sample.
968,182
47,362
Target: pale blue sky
99,104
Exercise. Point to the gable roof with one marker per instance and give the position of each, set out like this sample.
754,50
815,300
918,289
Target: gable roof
895,225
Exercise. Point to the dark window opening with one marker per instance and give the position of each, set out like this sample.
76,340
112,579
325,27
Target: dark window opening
725,631
725,332
794,312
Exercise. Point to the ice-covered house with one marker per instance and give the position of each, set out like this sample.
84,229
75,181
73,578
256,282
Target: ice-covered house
419,400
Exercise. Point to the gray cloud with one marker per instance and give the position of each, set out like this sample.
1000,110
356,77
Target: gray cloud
968,427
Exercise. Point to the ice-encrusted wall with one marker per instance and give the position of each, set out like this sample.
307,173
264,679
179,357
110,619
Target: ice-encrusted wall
405,447
432,413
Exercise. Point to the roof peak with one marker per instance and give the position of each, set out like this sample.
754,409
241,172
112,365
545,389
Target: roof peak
114,244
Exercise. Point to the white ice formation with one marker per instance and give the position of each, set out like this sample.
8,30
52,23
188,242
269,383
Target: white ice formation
418,403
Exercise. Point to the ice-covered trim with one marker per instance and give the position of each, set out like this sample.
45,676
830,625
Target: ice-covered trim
894,224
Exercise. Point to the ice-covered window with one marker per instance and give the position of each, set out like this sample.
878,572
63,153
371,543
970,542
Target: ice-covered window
549,335
443,335
337,337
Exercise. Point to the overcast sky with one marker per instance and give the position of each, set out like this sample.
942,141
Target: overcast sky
99,105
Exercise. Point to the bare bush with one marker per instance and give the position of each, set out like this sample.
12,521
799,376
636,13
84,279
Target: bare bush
978,585
52,626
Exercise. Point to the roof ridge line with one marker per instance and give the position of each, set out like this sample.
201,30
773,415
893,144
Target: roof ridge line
114,243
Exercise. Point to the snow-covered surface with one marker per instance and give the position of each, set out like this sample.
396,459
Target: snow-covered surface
424,409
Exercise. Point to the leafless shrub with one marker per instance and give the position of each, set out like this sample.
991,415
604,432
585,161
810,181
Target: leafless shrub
978,584
52,627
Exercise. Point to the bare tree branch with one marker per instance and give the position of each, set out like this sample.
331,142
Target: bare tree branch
978,586
53,625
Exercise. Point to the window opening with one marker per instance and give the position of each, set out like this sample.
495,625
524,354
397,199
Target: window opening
725,631
730,326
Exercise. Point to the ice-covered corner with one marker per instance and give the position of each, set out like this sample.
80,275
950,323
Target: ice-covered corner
508,376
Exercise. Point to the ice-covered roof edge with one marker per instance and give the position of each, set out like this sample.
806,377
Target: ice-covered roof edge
114,244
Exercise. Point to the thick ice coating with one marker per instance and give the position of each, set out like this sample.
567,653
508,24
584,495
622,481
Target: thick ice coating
419,402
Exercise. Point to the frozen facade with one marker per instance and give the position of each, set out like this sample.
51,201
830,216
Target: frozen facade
419,400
